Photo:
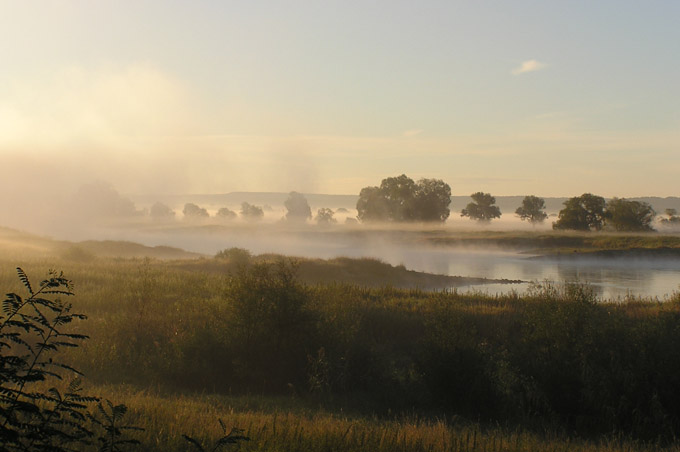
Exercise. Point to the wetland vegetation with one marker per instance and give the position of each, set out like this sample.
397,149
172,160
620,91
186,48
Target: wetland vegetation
301,361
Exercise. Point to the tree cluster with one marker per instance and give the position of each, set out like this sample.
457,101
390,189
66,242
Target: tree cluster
591,212
673,218
401,199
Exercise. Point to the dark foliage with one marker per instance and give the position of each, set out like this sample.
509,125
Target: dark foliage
272,326
532,209
582,213
109,418
629,216
401,199
482,208
33,330
235,436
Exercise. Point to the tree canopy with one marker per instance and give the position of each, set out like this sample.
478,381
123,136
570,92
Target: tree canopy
161,211
192,211
482,209
297,207
226,213
582,213
401,199
325,216
626,215
532,209
251,212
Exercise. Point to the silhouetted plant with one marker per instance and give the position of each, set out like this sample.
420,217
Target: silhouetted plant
111,422
32,332
235,436
483,208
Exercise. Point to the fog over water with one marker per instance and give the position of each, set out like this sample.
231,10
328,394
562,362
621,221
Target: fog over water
610,278
86,215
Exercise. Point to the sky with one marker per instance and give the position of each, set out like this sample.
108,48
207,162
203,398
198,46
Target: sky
550,98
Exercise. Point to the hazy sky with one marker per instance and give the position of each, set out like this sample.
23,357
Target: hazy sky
553,98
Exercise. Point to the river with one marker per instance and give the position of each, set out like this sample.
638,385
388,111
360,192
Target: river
610,278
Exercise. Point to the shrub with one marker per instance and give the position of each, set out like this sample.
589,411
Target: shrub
271,325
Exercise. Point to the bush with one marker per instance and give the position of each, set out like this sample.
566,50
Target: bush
272,325
236,256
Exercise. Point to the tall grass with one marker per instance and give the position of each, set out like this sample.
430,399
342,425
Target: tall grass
554,359
284,424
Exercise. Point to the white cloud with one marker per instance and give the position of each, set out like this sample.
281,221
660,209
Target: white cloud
528,66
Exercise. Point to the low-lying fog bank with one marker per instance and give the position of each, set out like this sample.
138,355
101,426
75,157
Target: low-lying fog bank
441,251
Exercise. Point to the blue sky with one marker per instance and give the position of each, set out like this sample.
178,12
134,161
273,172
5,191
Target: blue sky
524,97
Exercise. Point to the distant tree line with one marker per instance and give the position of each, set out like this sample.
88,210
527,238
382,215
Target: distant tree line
297,211
399,199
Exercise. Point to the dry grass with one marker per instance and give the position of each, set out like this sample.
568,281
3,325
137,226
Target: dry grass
285,425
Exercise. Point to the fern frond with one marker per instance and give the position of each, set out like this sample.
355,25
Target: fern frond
24,279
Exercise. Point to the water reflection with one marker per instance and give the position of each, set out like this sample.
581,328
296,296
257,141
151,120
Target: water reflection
610,279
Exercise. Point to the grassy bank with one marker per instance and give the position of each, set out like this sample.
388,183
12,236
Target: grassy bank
553,242
554,357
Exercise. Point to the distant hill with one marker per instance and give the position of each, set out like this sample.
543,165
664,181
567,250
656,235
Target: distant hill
507,204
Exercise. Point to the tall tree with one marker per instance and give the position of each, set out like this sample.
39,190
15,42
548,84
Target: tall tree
399,193
582,213
625,215
432,199
532,209
297,207
372,205
482,208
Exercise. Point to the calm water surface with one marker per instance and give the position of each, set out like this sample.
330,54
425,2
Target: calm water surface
609,278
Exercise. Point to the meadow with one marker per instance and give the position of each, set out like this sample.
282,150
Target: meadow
302,364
